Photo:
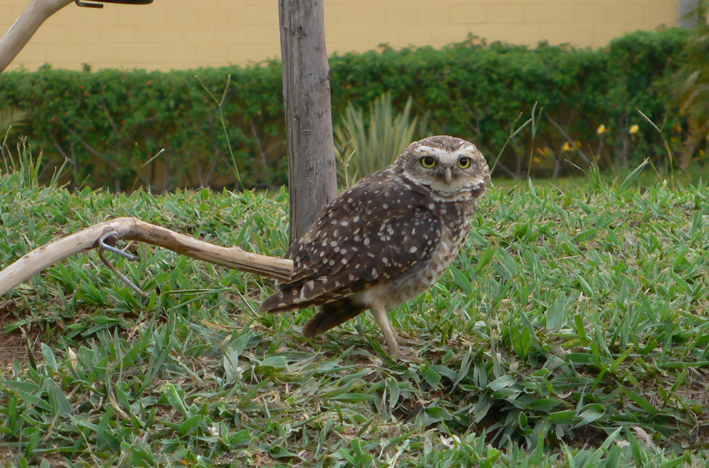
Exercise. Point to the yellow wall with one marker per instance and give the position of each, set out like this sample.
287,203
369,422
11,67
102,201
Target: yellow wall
192,33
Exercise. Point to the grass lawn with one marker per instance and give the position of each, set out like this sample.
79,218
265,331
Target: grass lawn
571,331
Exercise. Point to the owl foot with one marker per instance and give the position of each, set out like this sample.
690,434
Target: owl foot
407,354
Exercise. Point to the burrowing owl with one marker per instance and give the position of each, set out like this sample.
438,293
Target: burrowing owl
386,239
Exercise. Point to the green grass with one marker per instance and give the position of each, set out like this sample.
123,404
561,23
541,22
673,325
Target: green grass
571,331
650,176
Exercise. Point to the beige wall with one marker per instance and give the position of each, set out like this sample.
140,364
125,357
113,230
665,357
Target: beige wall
192,33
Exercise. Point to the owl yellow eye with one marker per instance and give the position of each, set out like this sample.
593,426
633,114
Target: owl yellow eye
464,162
428,162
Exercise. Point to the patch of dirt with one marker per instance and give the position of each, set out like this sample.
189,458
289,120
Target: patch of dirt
12,345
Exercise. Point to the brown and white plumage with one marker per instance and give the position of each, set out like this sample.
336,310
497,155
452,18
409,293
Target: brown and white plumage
386,239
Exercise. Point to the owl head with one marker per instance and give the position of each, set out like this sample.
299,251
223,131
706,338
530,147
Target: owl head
451,168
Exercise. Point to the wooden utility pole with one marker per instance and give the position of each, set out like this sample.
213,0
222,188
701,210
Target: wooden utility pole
312,174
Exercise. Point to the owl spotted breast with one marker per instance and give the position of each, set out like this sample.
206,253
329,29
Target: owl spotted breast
386,239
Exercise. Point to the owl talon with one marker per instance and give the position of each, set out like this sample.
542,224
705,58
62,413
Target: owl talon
409,355
393,351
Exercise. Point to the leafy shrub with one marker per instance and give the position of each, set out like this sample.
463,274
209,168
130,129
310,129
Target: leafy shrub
477,91
109,124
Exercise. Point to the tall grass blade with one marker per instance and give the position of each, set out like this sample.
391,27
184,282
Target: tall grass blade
632,176
220,106
670,159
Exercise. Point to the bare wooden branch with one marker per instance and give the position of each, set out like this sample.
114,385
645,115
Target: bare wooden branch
137,230
24,28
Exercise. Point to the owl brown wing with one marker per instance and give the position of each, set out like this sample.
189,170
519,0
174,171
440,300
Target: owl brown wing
369,234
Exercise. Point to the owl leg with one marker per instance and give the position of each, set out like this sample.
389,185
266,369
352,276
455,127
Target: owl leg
380,314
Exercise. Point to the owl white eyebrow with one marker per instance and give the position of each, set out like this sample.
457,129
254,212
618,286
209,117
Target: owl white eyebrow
445,157
431,151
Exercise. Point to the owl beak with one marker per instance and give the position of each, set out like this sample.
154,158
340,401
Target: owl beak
449,176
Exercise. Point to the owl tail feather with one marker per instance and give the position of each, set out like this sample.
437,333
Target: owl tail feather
277,303
288,301
331,315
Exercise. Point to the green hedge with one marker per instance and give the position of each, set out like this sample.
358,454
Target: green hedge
109,123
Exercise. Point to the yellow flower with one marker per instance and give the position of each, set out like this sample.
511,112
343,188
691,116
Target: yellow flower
633,129
601,130
567,147
546,151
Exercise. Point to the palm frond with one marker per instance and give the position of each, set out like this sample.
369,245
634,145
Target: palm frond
11,118
366,144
